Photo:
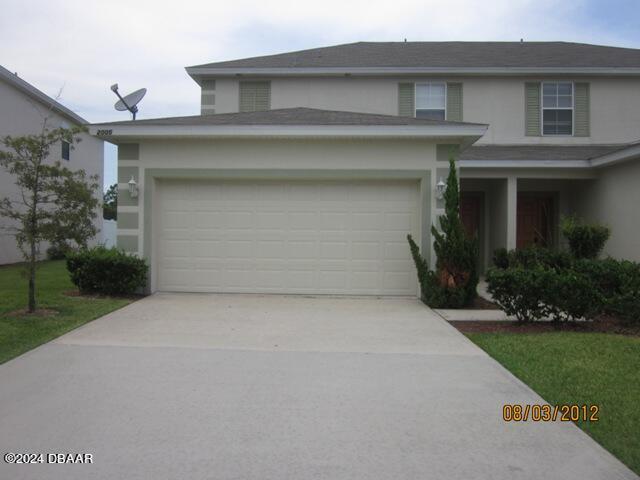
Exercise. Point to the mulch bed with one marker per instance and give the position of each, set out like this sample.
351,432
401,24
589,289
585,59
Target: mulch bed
95,296
602,324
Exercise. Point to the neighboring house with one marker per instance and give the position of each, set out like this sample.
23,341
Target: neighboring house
306,170
23,109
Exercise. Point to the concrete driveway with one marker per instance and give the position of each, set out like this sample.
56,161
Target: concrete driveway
275,387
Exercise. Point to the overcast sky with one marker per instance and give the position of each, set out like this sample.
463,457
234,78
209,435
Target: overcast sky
85,46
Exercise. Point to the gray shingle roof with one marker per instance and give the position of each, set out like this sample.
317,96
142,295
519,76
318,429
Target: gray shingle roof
290,116
538,152
446,54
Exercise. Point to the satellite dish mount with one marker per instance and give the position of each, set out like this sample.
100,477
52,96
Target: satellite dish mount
128,102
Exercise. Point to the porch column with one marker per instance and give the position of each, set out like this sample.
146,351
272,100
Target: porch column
512,204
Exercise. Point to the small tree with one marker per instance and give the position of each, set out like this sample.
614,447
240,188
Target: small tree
453,284
54,204
110,203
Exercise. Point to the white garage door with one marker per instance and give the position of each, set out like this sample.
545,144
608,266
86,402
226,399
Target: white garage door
316,237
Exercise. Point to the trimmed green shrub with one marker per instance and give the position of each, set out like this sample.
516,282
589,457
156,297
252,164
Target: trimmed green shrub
626,306
518,291
618,282
571,296
107,271
585,240
538,293
530,257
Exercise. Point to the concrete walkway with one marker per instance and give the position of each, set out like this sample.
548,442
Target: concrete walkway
268,387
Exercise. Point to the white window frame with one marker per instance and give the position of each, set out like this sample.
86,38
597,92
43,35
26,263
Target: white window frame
572,108
415,96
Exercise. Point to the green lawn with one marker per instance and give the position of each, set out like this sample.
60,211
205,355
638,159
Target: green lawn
591,368
19,334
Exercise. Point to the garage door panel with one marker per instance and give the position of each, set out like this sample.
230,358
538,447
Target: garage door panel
329,280
177,248
303,220
338,237
395,250
334,250
397,281
204,250
301,249
333,221
271,249
398,222
366,250
268,220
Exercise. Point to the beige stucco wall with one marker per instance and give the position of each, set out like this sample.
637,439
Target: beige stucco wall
288,154
613,199
615,103
21,115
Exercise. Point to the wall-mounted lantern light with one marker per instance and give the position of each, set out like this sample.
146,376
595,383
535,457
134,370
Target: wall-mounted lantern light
133,188
441,187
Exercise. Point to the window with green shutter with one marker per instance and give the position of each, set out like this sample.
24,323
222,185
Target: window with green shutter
406,101
532,109
582,110
454,102
435,100
255,96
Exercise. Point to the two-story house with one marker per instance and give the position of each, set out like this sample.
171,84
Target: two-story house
305,171
23,111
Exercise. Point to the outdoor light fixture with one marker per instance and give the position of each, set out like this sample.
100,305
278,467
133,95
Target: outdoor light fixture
441,187
133,188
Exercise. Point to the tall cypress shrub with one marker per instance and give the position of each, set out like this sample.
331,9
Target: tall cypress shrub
453,284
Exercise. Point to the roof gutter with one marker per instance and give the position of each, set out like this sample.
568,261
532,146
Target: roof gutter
525,164
203,71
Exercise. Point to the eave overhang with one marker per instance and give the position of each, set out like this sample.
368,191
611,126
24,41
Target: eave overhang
198,72
465,135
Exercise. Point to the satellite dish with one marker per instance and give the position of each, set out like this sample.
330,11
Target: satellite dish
128,102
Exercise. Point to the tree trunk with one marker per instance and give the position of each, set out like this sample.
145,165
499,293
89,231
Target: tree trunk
32,278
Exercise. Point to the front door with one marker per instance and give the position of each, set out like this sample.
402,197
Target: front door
534,220
470,212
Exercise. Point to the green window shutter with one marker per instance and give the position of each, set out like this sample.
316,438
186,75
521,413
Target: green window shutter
532,109
581,114
406,100
454,102
255,96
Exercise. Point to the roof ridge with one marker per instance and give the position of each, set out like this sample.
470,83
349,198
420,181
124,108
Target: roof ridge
441,54
292,116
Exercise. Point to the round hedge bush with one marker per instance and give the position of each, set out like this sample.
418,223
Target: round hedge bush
107,271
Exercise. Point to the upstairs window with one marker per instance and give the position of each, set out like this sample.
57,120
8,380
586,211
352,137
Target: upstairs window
557,108
431,100
66,150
